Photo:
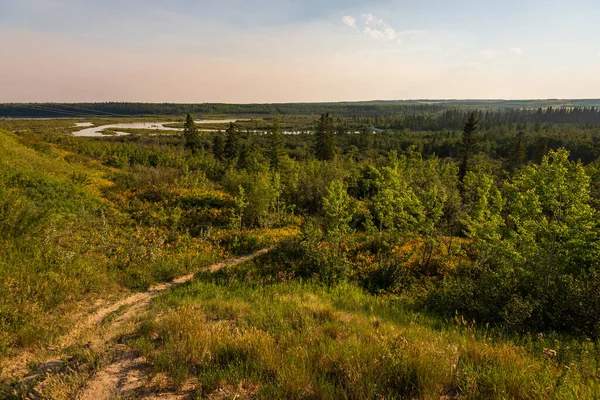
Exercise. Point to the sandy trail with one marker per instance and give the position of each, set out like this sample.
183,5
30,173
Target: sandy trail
127,373
140,300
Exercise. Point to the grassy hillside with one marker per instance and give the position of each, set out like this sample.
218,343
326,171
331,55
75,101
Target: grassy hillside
75,231
47,207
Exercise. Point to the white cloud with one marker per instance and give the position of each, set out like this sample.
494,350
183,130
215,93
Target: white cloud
376,28
371,26
349,20
380,34
516,50
487,55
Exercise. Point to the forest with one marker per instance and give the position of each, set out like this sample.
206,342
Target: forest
365,109
434,250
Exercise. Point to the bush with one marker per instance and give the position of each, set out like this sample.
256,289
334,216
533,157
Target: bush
575,305
514,302
311,257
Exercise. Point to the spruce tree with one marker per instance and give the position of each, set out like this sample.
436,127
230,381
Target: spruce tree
365,138
218,146
232,142
325,144
191,136
341,128
467,146
276,147
518,152
244,156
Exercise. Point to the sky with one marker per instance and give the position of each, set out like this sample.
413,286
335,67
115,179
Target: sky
263,51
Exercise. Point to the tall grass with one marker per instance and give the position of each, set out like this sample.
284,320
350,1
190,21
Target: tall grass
300,340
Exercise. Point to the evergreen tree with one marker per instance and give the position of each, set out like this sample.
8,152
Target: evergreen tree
232,143
341,127
276,147
365,138
518,152
467,146
244,156
191,136
325,144
218,146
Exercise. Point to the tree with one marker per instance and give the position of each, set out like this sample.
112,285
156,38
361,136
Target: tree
218,146
365,139
191,136
395,204
232,142
259,193
518,152
483,221
325,144
276,150
467,146
538,246
243,157
241,203
337,210
341,128
553,221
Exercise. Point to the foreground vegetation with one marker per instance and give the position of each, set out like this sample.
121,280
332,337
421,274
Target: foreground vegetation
457,262
262,336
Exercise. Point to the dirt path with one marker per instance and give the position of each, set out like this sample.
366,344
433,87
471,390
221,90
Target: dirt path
127,373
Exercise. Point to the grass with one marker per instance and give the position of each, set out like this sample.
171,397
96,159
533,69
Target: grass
75,230
299,340
68,239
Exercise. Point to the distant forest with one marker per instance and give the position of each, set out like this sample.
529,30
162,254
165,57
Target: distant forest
424,114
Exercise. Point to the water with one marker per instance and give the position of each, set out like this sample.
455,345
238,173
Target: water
96,131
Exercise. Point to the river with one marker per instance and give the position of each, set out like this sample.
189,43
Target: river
96,131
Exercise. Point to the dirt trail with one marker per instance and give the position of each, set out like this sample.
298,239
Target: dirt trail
127,373
140,300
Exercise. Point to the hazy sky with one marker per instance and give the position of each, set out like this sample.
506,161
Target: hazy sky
291,50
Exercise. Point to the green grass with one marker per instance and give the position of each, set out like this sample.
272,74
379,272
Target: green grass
64,243
75,230
299,340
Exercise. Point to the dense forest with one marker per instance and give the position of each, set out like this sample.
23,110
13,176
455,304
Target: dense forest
363,109
416,250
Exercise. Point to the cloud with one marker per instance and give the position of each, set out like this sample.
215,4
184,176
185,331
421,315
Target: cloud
487,55
371,26
380,34
349,20
516,50
375,28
